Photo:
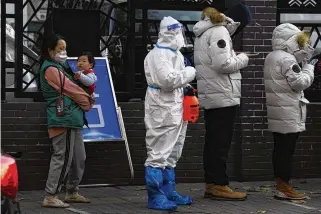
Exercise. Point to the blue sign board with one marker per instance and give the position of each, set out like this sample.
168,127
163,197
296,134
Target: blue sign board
102,118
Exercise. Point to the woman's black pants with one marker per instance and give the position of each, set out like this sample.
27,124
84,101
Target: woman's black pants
219,126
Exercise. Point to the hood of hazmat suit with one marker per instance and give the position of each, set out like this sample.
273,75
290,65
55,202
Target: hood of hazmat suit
218,76
285,79
166,76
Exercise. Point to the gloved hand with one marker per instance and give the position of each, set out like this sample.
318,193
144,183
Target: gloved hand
191,68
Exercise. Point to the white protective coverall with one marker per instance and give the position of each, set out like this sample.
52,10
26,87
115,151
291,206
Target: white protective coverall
166,76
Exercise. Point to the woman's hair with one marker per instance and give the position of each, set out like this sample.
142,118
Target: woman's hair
50,42
214,15
90,57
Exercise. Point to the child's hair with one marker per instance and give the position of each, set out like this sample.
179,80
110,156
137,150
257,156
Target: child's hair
90,57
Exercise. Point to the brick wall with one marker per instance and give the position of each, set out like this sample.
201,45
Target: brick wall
256,141
24,129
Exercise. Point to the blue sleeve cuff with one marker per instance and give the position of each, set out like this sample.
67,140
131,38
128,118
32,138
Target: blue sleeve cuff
185,90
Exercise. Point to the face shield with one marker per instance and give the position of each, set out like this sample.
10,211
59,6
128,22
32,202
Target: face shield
179,34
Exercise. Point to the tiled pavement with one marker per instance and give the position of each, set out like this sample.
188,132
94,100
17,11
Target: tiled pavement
132,199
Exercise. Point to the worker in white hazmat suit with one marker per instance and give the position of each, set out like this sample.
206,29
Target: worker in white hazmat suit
166,76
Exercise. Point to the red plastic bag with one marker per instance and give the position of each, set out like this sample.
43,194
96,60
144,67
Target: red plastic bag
9,176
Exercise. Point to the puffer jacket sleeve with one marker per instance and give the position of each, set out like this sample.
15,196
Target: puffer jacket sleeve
298,78
166,76
223,60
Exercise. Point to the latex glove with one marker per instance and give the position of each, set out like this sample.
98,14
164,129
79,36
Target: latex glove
191,67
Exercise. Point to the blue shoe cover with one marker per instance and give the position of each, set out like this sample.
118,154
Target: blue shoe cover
170,189
156,197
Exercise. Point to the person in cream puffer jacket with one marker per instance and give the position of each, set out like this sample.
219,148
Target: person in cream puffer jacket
219,92
285,81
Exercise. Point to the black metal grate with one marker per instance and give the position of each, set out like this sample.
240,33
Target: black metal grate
36,25
119,42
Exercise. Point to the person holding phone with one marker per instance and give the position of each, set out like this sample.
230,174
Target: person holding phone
285,80
219,92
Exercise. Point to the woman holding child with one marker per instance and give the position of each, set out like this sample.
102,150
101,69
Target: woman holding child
66,104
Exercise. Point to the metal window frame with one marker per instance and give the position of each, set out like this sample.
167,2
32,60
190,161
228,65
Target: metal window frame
20,35
18,57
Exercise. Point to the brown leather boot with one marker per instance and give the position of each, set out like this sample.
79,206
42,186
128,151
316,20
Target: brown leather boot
284,191
217,192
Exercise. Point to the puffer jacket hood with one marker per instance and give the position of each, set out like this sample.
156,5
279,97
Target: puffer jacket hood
202,26
285,37
211,18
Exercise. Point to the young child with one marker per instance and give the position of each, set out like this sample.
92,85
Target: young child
86,75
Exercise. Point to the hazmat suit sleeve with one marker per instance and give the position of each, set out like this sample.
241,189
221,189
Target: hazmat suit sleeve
223,60
167,77
299,79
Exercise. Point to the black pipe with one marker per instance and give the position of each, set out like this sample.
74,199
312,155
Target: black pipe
3,50
18,47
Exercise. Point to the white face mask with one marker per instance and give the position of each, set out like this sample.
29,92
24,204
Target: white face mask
304,54
61,56
180,41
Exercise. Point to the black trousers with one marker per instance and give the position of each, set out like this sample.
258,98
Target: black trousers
284,146
219,126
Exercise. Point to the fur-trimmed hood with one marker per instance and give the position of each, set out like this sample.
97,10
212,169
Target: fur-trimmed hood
289,38
211,18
